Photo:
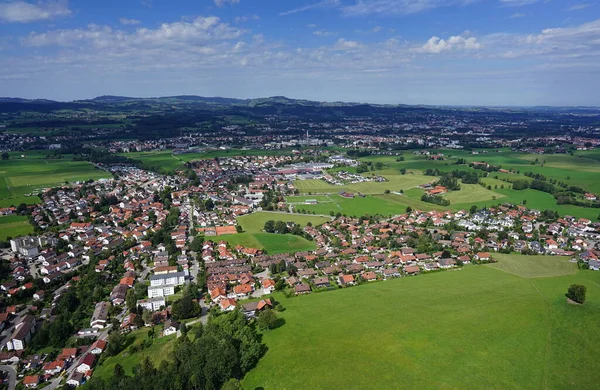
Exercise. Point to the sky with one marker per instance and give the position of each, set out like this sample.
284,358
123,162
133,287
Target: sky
440,52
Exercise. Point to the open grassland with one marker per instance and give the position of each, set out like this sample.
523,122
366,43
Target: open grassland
387,205
394,183
255,222
473,328
28,175
14,226
534,266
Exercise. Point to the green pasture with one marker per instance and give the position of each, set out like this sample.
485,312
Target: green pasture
14,226
478,327
20,176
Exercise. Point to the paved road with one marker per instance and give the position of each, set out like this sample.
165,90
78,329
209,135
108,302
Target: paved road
12,376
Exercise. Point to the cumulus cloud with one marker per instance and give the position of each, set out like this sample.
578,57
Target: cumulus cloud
128,22
26,12
437,45
222,3
344,44
199,31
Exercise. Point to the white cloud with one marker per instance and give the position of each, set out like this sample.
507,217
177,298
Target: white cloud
343,44
437,45
129,22
580,6
245,18
320,4
222,3
398,7
25,12
324,33
516,16
197,32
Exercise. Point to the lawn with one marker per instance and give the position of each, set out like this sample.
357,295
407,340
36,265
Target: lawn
20,177
14,226
474,328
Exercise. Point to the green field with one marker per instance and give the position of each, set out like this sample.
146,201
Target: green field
273,243
394,183
254,236
534,266
28,175
474,328
157,352
387,204
14,226
254,223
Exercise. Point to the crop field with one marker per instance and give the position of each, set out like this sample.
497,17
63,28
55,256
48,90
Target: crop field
22,176
477,327
14,226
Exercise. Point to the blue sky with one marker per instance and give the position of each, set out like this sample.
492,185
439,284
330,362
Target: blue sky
475,52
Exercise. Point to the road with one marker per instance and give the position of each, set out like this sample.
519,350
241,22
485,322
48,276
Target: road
12,376
54,383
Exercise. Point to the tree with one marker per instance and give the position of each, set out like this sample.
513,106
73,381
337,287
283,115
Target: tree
116,342
409,209
576,293
473,209
232,384
130,300
5,156
269,226
267,319
281,227
196,245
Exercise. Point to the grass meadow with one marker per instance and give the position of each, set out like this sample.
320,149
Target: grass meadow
20,176
14,226
478,327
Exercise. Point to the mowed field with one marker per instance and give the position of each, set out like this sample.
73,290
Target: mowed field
477,327
386,204
14,226
21,176
393,183
254,236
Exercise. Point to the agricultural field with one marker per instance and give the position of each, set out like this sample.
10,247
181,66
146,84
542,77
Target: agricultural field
20,176
496,328
534,266
14,226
